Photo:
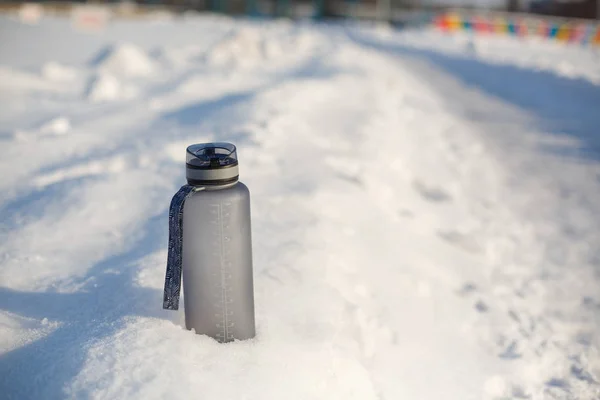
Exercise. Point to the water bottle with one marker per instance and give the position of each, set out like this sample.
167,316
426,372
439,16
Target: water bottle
210,243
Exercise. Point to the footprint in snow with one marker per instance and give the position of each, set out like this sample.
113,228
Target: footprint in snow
557,383
511,351
467,289
481,307
519,393
583,375
405,213
590,303
345,169
463,241
350,178
433,194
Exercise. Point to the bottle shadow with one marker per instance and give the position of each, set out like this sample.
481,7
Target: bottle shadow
108,295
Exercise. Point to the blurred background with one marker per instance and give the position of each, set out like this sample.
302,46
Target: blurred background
395,11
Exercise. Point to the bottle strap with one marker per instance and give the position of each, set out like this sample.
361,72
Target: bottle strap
175,255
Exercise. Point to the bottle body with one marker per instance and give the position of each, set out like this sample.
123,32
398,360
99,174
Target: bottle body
217,263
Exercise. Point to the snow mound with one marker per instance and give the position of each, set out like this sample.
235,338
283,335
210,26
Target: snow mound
17,331
105,87
178,56
57,72
113,165
244,47
14,79
124,60
249,46
56,126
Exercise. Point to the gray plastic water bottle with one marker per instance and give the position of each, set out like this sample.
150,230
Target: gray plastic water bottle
216,246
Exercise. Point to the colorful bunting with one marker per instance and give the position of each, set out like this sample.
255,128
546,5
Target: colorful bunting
566,32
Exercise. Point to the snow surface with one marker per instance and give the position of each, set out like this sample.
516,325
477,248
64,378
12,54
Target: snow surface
425,214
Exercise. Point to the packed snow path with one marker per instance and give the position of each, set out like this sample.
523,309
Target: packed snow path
425,221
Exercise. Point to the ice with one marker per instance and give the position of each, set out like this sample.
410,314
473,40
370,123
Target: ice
424,209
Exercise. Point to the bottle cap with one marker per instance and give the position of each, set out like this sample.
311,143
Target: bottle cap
211,164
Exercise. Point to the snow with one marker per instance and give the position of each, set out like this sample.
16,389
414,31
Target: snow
125,59
533,53
54,71
425,215
106,87
57,126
